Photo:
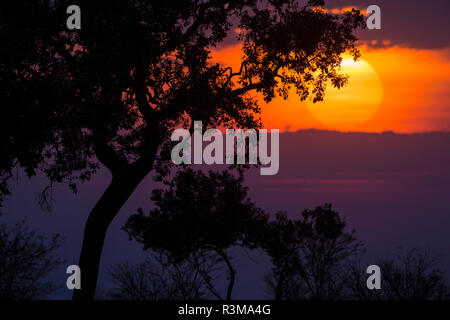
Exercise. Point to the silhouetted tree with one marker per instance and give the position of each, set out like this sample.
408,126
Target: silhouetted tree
356,282
158,279
309,254
412,274
112,92
26,260
200,214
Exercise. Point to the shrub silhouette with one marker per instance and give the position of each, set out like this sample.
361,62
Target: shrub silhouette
411,274
158,279
26,260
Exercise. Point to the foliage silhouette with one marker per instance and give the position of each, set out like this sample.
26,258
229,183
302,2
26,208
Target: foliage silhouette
309,255
158,279
412,274
26,259
199,215
111,92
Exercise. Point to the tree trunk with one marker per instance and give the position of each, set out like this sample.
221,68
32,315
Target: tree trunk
231,271
121,187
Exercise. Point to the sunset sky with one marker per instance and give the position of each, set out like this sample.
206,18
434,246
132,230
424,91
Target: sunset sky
401,82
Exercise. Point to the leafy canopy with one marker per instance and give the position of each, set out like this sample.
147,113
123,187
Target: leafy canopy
198,212
113,91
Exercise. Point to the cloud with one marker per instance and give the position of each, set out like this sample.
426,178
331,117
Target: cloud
341,10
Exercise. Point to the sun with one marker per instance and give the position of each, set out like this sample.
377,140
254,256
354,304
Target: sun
353,105
344,109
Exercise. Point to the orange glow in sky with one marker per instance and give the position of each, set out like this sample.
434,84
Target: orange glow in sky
399,89
354,104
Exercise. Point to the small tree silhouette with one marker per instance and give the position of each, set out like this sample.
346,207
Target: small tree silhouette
26,260
158,279
412,274
309,255
112,92
200,214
